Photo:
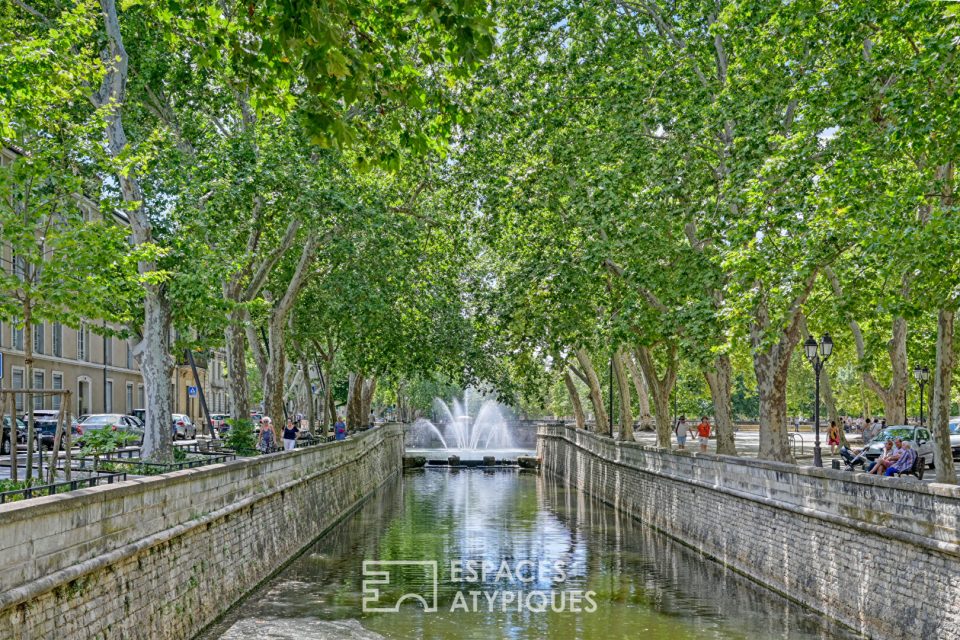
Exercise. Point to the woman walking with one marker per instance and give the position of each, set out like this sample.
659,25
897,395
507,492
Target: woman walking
833,437
290,434
267,436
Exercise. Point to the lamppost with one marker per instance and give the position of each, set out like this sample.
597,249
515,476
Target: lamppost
921,375
818,357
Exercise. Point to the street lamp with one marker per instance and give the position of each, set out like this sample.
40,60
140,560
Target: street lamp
921,375
818,355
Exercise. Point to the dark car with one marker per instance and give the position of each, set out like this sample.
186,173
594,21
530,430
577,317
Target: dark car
115,421
47,430
21,435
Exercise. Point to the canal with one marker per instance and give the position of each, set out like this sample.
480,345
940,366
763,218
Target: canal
517,556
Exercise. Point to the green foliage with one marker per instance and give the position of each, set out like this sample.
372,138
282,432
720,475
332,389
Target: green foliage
240,437
97,442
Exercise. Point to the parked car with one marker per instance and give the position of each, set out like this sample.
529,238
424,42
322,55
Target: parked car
918,437
21,435
184,428
115,421
955,437
45,426
256,416
219,422
140,414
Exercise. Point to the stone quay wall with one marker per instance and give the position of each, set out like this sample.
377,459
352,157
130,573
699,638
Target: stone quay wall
163,557
880,555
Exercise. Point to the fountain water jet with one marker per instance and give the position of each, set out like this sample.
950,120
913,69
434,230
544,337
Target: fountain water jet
458,430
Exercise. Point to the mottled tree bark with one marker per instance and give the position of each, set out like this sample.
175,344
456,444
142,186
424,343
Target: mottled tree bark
660,388
940,411
643,393
623,387
152,352
601,421
719,380
574,399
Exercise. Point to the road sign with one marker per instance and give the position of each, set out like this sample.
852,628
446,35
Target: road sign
192,392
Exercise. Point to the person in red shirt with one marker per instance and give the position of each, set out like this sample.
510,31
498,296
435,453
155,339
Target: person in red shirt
703,431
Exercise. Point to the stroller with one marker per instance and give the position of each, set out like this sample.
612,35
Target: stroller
860,459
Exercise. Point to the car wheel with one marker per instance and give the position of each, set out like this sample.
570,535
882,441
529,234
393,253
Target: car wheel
5,447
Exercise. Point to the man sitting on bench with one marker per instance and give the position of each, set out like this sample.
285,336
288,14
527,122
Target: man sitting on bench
903,464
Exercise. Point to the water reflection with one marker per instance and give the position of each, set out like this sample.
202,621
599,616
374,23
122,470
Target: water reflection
646,585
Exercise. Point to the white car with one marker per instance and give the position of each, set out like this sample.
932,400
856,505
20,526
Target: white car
918,437
955,437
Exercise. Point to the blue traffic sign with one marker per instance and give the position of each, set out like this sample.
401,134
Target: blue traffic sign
192,392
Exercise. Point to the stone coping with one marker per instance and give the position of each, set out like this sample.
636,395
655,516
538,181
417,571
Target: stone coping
903,484
30,508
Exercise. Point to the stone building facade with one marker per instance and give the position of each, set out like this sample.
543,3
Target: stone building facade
99,370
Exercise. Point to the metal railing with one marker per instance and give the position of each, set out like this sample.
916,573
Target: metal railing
39,491
794,439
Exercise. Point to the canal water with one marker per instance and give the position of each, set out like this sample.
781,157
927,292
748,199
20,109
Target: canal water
517,556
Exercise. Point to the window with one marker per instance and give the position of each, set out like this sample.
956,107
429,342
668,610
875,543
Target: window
38,383
108,350
140,397
58,339
16,336
129,356
20,268
38,337
108,398
58,385
83,343
17,383
129,397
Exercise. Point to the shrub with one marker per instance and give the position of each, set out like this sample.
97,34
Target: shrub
240,438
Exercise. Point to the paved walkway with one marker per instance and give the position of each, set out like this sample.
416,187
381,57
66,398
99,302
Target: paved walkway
748,445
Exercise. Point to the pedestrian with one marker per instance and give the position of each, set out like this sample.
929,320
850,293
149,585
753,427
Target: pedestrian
290,435
796,424
268,438
373,419
703,431
833,437
340,429
680,430
867,432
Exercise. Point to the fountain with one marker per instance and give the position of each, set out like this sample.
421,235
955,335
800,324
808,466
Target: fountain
457,432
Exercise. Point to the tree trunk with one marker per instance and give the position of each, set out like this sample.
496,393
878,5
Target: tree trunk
771,387
153,358
28,381
152,352
236,344
892,396
660,387
643,394
830,402
328,408
355,403
623,386
369,389
601,421
718,379
940,411
273,376
771,363
574,399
